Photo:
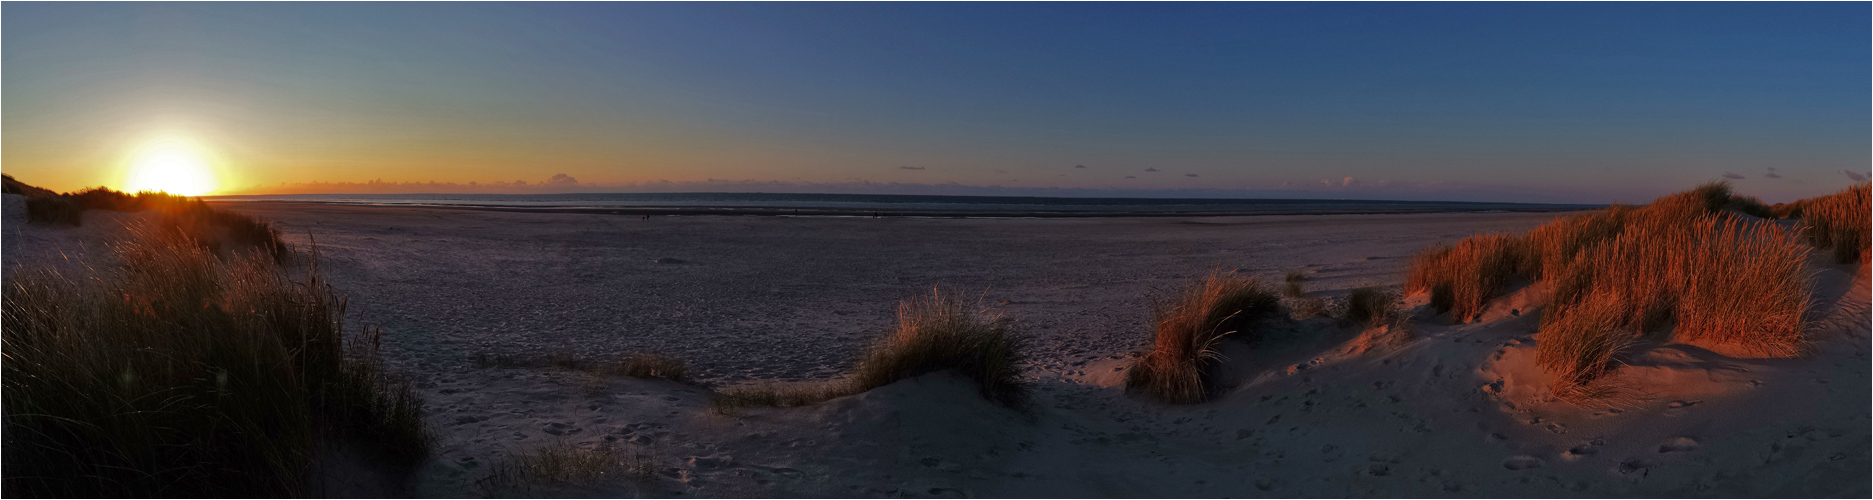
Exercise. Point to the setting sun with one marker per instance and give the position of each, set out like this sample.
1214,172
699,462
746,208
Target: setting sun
173,166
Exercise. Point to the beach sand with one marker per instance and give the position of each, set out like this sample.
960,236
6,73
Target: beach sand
1453,412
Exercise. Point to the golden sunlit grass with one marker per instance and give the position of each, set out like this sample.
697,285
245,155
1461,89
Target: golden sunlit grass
1840,221
186,372
1176,370
937,333
1623,273
1462,278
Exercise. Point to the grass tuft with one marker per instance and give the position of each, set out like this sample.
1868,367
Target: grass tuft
1624,273
1840,222
1462,278
942,332
1369,306
184,373
1188,328
564,463
1292,285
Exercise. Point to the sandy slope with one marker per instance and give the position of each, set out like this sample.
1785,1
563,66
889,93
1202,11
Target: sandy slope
1452,413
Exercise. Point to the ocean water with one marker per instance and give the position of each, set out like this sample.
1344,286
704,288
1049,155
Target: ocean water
864,204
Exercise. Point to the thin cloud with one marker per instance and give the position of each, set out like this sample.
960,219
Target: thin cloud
1079,166
1190,175
1131,177
1153,169
1856,176
1733,176
1771,174
910,168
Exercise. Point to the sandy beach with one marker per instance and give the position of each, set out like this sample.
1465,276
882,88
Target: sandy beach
476,304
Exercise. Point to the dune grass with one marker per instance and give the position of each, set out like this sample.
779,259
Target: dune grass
564,463
216,229
1292,285
186,374
1839,222
652,365
1625,274
1176,370
942,332
1369,306
1462,278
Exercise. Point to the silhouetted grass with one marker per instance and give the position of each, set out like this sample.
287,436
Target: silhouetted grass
9,185
53,210
1188,328
205,225
938,333
183,374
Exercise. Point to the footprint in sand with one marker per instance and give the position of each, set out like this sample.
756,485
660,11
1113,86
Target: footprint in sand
1522,462
1579,452
1677,444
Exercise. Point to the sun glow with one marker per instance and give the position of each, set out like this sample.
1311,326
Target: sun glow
174,166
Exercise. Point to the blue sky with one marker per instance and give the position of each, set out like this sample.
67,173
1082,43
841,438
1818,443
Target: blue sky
1586,102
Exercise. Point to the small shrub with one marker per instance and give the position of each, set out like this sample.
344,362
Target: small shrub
1370,305
1188,328
1292,287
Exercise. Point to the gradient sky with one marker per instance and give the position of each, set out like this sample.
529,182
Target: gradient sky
1582,102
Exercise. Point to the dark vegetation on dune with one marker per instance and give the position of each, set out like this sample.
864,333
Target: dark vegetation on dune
1682,269
216,229
942,332
187,371
1188,328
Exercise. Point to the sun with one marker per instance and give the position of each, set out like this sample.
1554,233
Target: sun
174,166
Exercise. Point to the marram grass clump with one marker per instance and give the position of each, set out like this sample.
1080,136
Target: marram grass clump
184,373
1176,370
942,332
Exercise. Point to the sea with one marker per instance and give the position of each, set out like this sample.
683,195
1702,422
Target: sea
899,205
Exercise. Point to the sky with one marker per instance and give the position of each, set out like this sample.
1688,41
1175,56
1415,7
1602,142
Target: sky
1550,102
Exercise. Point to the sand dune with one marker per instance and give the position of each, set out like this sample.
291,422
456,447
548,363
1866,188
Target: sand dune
1311,411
